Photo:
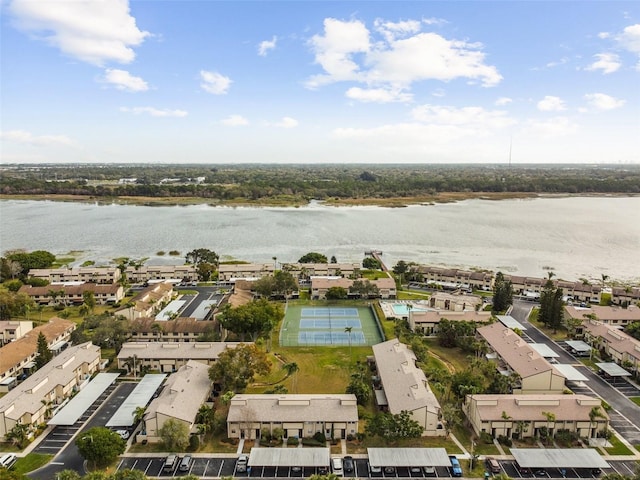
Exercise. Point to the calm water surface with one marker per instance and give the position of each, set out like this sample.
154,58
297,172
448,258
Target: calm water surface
577,237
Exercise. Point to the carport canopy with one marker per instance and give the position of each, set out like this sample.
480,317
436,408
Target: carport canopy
79,404
571,373
558,458
289,457
408,457
140,397
510,322
579,346
613,369
544,350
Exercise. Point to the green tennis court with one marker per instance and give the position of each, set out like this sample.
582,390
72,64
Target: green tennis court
307,325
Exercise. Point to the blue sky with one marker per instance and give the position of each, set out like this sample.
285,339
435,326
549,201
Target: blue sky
161,81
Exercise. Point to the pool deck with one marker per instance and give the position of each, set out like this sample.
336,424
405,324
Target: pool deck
387,307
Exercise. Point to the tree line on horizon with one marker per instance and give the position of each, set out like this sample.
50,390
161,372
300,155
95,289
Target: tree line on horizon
305,182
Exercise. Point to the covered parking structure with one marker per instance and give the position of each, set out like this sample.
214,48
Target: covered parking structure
510,322
571,373
140,397
408,457
612,370
289,457
79,404
535,458
579,348
544,350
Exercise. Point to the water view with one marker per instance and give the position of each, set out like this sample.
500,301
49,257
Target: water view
576,237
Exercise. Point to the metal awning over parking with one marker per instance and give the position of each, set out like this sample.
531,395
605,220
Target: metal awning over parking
613,369
571,373
381,398
579,346
140,397
558,458
408,457
289,457
83,400
544,350
510,322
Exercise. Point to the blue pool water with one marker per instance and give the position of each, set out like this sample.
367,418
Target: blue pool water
402,310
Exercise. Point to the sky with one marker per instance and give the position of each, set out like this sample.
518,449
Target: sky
163,81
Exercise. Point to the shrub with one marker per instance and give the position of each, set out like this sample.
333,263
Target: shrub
486,438
160,253
320,438
506,441
174,253
292,441
312,442
194,443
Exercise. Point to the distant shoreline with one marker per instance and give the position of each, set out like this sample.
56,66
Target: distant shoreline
394,202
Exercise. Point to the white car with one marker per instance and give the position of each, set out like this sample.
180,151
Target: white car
124,434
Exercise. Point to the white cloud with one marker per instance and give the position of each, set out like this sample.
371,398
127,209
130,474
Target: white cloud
439,93
123,80
92,31
266,45
214,82
630,38
476,117
378,95
551,104
286,122
607,62
402,56
28,138
602,101
502,101
562,61
235,121
154,112
553,127
604,35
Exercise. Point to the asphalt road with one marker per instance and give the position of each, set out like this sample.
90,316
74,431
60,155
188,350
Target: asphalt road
69,457
620,403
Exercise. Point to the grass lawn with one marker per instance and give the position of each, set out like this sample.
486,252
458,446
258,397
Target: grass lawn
412,295
560,335
617,447
373,274
635,400
422,442
453,357
31,462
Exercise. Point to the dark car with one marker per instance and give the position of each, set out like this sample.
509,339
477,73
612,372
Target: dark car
541,472
347,464
389,470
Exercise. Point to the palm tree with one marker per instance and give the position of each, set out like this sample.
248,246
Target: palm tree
275,263
138,414
291,369
349,330
604,279
595,413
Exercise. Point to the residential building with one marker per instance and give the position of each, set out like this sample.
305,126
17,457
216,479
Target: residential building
453,279
523,416
77,274
321,285
74,294
17,357
334,415
148,302
11,330
403,386
513,355
621,347
615,316
185,391
168,357
454,302
230,272
33,401
625,295
178,330
304,271
148,273
427,322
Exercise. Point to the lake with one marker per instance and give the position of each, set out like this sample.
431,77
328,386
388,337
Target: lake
575,236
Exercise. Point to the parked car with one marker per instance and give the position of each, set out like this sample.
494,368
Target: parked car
429,471
347,464
456,469
492,465
375,470
123,433
389,470
242,463
170,463
185,463
8,460
336,466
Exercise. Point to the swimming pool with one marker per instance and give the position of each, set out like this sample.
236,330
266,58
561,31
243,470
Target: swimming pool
402,310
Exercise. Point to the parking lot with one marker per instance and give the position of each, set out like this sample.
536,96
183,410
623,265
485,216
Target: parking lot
210,467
